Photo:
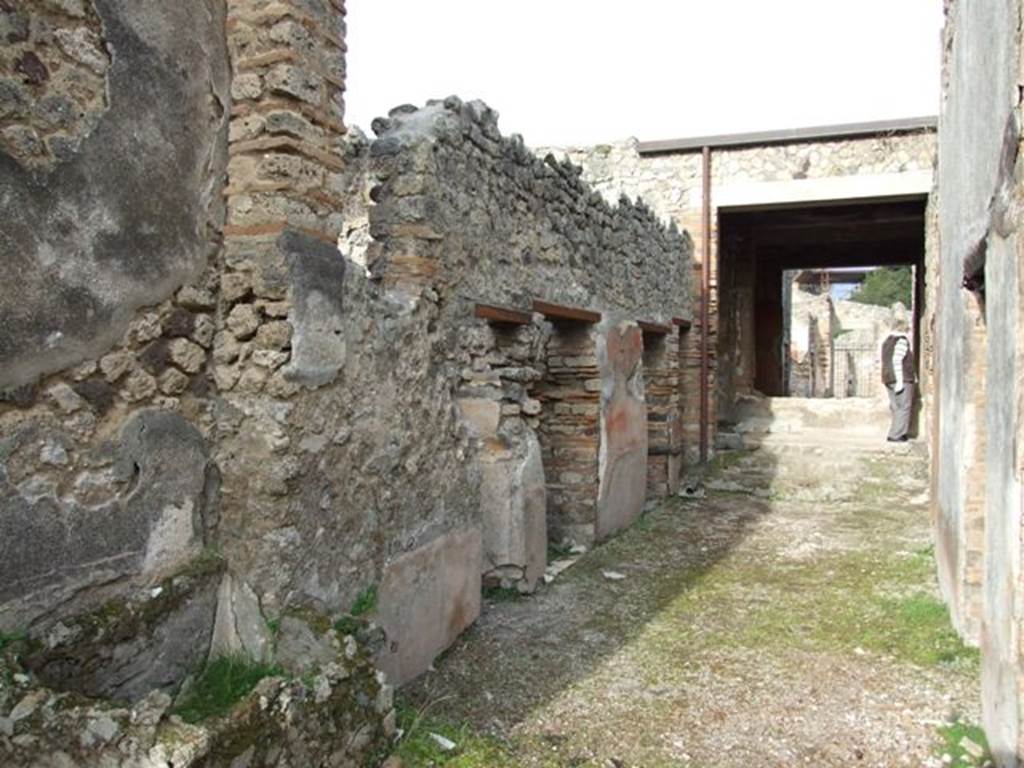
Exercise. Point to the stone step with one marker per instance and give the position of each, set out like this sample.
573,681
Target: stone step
728,440
836,442
766,415
813,464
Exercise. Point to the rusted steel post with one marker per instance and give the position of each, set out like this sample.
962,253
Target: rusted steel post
705,301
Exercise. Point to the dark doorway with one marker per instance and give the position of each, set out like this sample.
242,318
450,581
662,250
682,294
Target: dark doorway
759,246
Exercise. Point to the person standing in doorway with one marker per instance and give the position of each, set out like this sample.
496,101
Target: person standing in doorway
898,377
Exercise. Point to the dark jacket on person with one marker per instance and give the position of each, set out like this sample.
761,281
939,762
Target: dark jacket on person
888,372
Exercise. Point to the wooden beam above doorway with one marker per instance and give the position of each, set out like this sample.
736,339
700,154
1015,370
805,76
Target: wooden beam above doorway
560,312
660,329
504,315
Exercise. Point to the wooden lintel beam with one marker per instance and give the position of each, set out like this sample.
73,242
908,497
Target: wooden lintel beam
559,312
683,323
505,315
648,326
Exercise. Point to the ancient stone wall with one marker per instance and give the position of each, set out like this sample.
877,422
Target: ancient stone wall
106,465
959,406
864,328
194,372
144,319
671,183
810,344
977,355
466,219
110,170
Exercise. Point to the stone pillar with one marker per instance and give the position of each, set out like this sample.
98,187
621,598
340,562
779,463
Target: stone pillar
622,464
285,197
502,417
281,274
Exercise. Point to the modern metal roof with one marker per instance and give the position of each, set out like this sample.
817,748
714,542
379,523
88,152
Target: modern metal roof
791,135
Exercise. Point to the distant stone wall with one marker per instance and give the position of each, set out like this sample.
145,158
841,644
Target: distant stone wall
671,184
864,328
811,319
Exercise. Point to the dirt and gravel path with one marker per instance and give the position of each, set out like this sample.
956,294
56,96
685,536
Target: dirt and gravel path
748,630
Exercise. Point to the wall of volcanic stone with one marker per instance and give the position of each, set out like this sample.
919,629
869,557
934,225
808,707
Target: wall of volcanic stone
464,217
977,356
194,371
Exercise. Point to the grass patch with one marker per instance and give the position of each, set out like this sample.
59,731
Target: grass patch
348,625
8,639
951,743
366,602
839,602
500,594
558,551
355,620
915,629
418,749
222,683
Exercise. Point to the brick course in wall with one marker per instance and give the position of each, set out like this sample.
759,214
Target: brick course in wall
569,432
664,393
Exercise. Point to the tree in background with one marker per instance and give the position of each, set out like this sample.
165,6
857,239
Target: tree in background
886,286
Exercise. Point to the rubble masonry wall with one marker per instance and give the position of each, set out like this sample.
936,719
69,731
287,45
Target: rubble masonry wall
192,367
978,460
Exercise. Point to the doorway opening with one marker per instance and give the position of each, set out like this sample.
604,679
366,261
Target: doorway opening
789,276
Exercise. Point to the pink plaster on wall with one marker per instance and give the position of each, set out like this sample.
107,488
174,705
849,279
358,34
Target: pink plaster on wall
623,454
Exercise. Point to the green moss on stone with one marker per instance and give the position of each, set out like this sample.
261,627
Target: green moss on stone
313,618
348,625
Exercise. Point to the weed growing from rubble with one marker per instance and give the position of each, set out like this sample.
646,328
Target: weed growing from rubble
222,683
353,621
366,602
10,638
502,594
953,740
418,747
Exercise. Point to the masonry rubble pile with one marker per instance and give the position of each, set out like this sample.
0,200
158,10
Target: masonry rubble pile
217,430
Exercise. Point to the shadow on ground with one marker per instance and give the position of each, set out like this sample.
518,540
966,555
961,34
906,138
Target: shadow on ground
799,626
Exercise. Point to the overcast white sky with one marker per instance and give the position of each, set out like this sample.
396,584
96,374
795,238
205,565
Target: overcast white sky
587,71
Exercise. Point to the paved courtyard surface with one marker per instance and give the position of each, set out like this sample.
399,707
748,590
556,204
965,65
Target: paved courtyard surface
789,618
